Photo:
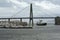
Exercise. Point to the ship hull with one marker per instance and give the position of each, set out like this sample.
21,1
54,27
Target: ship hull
42,24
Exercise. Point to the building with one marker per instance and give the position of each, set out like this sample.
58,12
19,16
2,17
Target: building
57,20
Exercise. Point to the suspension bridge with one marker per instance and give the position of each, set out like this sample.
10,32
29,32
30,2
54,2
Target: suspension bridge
31,21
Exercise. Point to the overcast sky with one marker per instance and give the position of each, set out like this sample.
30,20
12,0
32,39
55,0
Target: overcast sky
9,8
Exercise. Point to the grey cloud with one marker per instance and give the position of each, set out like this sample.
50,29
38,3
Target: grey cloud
30,1
4,3
55,1
37,11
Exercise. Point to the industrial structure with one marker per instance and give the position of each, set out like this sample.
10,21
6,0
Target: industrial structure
57,20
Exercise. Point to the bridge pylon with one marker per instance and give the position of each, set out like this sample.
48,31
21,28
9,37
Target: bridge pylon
31,16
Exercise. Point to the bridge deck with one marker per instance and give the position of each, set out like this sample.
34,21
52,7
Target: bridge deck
29,18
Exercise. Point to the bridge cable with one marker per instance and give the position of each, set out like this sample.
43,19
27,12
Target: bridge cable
19,11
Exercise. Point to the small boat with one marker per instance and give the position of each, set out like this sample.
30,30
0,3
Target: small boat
40,23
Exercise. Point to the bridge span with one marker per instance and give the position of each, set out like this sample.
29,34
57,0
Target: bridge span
30,18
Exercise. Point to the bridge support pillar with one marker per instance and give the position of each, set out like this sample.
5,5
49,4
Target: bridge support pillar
9,23
20,20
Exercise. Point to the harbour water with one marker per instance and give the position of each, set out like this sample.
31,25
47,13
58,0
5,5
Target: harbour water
49,32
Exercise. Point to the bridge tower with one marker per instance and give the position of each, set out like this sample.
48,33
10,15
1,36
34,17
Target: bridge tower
31,16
